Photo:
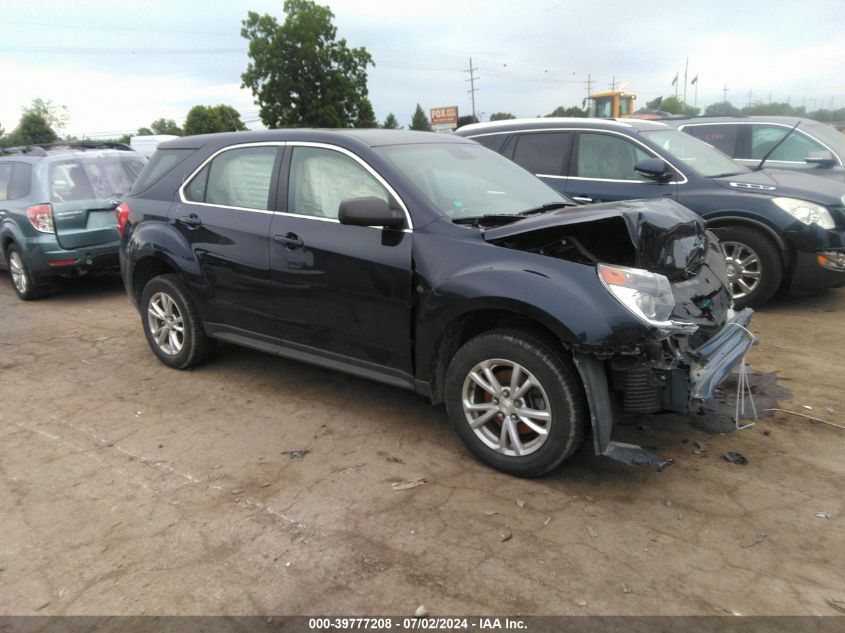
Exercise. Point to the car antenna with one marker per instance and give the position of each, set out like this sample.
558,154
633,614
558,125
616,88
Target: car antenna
775,146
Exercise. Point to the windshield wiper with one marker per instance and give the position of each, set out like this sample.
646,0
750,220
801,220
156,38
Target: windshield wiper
478,219
549,206
776,145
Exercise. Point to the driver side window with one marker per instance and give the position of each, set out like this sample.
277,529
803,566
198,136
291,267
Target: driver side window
608,157
320,179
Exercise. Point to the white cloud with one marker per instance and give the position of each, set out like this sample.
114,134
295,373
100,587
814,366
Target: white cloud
99,102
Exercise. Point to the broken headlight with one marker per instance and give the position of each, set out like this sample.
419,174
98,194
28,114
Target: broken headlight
646,294
806,212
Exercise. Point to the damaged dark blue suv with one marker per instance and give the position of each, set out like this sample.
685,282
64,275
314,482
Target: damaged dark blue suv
431,263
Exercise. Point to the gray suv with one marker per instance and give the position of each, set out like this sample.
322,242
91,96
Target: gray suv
57,210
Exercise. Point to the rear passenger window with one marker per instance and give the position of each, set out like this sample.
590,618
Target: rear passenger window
14,180
722,137
542,152
490,141
5,180
236,178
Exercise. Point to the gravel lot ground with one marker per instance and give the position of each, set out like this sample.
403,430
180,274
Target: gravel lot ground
130,488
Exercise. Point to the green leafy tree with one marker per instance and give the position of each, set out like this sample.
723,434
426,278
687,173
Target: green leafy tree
724,108
33,128
501,116
420,121
773,109
144,131
299,73
165,126
466,120
390,122
366,116
56,116
209,119
570,111
673,105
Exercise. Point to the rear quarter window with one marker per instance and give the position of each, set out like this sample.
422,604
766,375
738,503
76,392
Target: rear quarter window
162,162
15,180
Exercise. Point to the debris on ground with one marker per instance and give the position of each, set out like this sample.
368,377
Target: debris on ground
822,515
407,485
490,513
505,536
421,611
43,606
808,407
592,531
296,454
668,503
839,605
520,503
627,589
547,521
758,538
390,458
735,458
581,603
237,491
680,516
701,448
809,417
830,410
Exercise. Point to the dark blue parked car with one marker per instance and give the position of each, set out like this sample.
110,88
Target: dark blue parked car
778,229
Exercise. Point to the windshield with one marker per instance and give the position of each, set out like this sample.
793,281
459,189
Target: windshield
93,176
703,158
468,181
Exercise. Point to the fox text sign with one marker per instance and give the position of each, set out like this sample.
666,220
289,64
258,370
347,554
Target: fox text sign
444,118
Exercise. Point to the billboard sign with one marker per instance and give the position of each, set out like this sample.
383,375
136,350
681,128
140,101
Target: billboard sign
444,118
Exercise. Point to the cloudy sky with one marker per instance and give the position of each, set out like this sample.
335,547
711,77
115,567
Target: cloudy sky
120,65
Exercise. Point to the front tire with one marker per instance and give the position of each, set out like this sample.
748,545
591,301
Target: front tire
172,325
22,281
754,265
516,403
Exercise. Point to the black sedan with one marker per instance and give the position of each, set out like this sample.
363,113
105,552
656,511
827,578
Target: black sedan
779,229
433,264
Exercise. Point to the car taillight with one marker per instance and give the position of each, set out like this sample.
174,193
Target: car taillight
41,217
121,212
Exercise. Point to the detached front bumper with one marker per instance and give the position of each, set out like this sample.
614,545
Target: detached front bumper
686,386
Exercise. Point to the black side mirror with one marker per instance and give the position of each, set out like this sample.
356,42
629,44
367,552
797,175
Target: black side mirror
654,169
370,211
821,158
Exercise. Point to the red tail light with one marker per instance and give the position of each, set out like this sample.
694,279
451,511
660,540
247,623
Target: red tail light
41,217
121,212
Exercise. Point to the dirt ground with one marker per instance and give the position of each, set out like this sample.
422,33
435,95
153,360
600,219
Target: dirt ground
259,485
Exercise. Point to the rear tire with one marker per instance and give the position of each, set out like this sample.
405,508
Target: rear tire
22,281
516,402
754,265
172,325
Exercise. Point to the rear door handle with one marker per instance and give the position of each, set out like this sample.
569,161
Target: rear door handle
192,220
290,240
582,199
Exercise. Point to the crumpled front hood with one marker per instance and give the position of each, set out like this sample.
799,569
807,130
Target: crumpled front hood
667,237
790,184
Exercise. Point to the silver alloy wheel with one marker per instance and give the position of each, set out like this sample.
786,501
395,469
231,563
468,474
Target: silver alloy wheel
166,323
506,407
743,268
18,272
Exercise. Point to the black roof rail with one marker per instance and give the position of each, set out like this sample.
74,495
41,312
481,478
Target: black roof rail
40,149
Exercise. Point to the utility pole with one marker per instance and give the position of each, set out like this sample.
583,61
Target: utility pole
770,96
613,83
725,93
589,83
686,68
750,93
472,89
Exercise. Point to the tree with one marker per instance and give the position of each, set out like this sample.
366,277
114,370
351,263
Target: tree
673,105
773,109
501,116
571,111
165,126
466,120
724,108
54,115
390,122
33,128
420,121
144,131
366,116
209,119
299,73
